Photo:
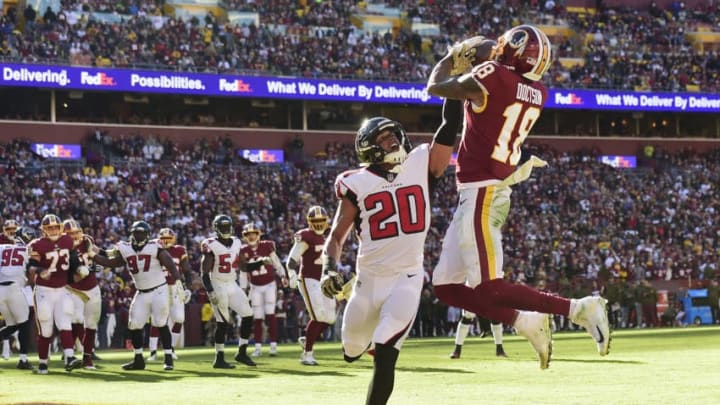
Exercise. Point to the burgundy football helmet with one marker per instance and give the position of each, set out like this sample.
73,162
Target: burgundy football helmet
526,50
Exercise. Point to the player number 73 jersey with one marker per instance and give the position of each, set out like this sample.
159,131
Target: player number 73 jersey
394,216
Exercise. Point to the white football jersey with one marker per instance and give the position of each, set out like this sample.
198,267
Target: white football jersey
12,263
394,212
144,266
226,258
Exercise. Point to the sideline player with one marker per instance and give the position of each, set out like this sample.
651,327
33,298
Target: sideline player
263,287
304,258
168,240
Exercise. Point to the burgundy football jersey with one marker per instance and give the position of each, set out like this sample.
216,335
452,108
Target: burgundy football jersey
310,266
90,281
265,274
54,256
493,134
178,253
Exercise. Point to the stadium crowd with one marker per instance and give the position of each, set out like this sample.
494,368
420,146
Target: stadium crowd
624,48
576,227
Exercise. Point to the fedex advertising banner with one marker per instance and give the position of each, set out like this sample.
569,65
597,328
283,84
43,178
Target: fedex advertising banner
206,84
57,150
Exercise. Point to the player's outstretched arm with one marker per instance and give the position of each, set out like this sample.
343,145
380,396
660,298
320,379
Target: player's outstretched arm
332,282
444,139
451,78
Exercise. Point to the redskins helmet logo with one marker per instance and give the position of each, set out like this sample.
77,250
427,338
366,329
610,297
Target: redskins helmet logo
518,40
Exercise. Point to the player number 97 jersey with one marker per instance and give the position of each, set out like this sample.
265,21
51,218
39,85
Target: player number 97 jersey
144,266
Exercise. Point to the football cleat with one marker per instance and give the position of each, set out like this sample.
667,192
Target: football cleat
243,358
174,356
536,327
169,365
24,365
457,352
591,313
73,363
95,357
273,351
138,363
42,368
257,352
499,351
88,363
307,359
152,356
220,361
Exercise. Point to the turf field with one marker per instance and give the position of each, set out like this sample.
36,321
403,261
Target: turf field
663,366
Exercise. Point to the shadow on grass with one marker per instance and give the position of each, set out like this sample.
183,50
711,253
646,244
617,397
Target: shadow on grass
606,360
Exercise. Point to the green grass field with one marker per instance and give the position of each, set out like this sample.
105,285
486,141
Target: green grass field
667,366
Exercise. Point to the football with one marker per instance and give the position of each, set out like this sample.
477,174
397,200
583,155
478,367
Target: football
482,47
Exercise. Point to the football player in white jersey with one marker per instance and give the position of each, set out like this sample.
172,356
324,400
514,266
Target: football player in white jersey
221,258
387,201
145,260
13,303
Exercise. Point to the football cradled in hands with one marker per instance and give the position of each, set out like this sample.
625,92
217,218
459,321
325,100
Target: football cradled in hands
482,48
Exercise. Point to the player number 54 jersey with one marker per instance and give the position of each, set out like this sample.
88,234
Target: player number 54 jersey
394,215
225,258
144,266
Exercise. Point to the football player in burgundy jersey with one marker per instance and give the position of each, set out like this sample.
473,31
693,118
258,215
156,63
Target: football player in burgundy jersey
221,258
53,262
168,240
9,228
503,98
387,202
146,260
304,259
263,288
86,296
13,303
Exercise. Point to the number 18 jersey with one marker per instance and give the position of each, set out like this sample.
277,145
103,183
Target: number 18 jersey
394,214
493,133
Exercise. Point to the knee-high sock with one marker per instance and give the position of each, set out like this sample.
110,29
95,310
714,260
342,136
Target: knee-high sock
43,347
24,336
499,300
77,332
89,341
220,330
463,329
165,337
381,385
271,321
154,337
246,324
313,330
497,331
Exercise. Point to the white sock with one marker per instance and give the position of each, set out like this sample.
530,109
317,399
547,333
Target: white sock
153,343
462,331
258,346
138,351
68,353
175,339
497,331
242,341
6,348
219,347
273,345
23,357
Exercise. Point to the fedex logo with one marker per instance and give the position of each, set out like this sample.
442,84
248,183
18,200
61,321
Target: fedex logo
569,99
98,79
234,86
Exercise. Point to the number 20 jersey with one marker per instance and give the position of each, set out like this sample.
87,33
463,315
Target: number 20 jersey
394,214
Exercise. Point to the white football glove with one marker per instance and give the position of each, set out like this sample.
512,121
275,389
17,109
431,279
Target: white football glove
331,283
82,271
292,279
213,298
463,54
187,296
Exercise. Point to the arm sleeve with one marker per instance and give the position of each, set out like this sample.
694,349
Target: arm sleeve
452,119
